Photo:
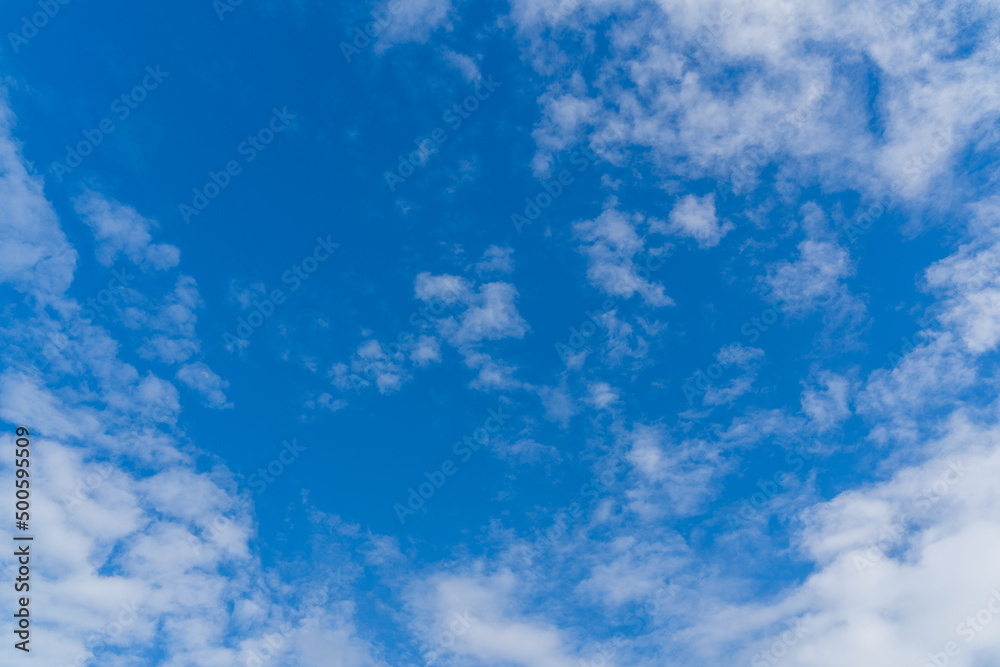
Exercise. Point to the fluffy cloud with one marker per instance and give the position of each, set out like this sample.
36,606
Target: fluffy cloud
412,21
495,628
457,312
34,254
371,364
612,244
148,557
487,313
172,338
673,479
120,229
200,378
814,279
496,260
695,218
660,83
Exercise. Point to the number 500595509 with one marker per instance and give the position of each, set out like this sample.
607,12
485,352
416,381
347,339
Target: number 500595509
22,453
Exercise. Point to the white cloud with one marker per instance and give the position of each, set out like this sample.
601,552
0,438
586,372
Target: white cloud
559,405
486,313
491,315
812,280
626,570
327,401
623,341
901,564
489,312
827,402
661,84
412,21
566,115
371,365
496,260
35,254
119,229
695,217
426,351
969,281
525,450
498,631
612,243
148,557
673,479
244,294
463,63
202,379
929,376
747,360
163,544
445,288
173,320
491,374
602,395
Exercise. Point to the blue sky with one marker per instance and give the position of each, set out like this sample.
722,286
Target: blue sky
544,333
